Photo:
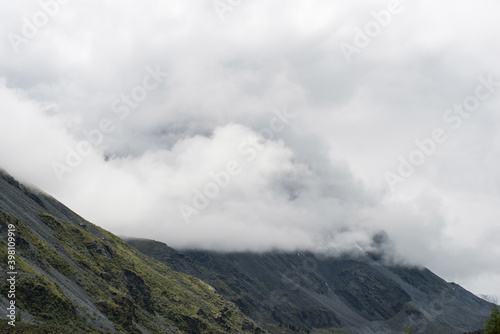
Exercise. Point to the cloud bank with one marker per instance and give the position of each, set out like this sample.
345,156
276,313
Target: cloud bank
247,126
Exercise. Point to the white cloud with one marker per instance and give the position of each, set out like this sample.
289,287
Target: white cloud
319,181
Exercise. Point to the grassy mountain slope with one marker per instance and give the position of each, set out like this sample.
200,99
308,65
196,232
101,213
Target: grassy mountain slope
76,277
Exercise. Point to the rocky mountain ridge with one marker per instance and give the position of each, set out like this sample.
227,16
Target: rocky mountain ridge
306,291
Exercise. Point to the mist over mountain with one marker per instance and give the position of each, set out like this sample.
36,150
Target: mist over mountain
73,276
259,126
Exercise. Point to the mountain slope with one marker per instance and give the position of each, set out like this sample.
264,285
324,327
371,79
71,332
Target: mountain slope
76,277
73,276
306,291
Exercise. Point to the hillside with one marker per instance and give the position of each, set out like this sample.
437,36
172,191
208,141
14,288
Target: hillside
74,277
306,291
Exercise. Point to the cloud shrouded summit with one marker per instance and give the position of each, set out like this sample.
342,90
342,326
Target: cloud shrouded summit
245,127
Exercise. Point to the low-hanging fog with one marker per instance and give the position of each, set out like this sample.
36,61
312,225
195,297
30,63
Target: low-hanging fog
257,125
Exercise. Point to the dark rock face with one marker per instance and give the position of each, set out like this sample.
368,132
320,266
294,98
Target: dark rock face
138,289
374,295
303,291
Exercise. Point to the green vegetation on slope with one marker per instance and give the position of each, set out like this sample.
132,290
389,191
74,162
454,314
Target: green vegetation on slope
131,289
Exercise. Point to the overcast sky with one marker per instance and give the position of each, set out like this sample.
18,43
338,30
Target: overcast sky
254,125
